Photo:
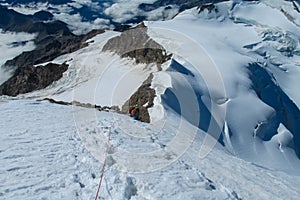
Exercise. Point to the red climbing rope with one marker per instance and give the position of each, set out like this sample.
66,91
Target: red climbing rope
104,163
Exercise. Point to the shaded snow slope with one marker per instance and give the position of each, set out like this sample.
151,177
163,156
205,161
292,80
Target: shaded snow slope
234,36
43,157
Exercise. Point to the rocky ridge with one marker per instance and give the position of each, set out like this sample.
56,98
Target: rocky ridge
136,44
142,99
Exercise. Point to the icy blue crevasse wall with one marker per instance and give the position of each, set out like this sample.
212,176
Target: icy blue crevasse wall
286,112
187,98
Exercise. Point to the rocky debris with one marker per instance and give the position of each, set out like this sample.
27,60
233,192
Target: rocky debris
142,99
28,79
80,104
136,44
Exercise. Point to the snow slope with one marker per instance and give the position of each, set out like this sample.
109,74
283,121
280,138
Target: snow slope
43,157
217,47
208,90
208,81
96,77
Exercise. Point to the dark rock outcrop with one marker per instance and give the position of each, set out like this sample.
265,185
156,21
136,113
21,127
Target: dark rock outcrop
142,99
85,105
136,44
122,27
27,79
210,7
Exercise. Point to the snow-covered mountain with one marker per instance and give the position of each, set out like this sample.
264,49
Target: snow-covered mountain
218,83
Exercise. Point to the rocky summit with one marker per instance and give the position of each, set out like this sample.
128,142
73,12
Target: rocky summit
136,44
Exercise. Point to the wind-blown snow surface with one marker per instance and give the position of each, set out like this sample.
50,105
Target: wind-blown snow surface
43,157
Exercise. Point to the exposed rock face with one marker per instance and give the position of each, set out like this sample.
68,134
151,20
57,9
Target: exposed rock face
27,79
122,27
142,99
136,44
